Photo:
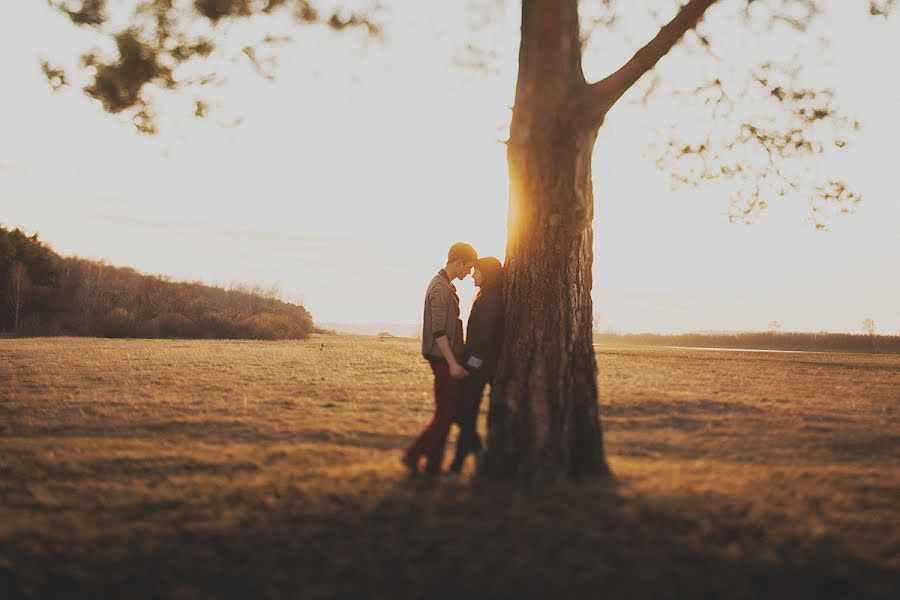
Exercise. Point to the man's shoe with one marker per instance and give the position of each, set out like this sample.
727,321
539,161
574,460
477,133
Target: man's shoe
412,465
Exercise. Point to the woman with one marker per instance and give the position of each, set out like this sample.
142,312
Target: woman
483,335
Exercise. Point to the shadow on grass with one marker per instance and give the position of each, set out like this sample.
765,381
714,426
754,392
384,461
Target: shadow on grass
210,431
375,537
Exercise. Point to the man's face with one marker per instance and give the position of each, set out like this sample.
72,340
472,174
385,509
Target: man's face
464,268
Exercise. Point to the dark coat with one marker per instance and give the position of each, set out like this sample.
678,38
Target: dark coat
484,332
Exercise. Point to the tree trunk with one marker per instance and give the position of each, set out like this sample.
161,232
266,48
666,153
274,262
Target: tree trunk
543,421
19,278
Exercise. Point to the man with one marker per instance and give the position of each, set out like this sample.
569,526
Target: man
442,347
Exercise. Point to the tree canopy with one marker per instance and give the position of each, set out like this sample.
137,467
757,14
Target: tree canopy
43,293
743,70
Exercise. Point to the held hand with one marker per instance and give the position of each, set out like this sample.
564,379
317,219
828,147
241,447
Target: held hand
457,372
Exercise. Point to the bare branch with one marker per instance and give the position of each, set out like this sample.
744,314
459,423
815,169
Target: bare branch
762,129
602,95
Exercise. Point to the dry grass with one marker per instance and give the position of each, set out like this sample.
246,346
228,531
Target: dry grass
206,469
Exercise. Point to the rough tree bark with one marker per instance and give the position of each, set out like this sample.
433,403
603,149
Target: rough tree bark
543,422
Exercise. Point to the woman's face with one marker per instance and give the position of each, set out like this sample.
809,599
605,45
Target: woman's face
478,277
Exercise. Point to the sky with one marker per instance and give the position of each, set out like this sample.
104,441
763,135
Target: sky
353,170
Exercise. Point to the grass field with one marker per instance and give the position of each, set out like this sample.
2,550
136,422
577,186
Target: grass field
210,469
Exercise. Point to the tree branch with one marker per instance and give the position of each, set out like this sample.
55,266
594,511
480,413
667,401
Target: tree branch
599,97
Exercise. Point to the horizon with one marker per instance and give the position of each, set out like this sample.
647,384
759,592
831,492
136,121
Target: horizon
394,327
325,207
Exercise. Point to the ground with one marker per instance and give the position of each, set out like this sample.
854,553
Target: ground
211,469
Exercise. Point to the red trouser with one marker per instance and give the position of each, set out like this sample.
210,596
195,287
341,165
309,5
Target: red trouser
432,440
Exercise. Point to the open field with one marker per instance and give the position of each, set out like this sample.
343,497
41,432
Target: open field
209,469
760,340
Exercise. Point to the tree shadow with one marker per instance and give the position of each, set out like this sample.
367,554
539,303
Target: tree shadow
419,538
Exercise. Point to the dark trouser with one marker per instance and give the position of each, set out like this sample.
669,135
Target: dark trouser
470,391
432,440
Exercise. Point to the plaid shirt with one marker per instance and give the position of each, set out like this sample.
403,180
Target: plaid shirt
441,318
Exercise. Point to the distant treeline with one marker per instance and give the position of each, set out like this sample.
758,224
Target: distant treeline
43,293
769,340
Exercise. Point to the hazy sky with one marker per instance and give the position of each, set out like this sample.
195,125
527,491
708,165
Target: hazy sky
360,163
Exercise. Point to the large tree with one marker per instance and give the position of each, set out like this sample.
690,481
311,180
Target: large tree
544,422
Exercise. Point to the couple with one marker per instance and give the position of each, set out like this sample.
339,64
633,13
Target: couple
461,370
